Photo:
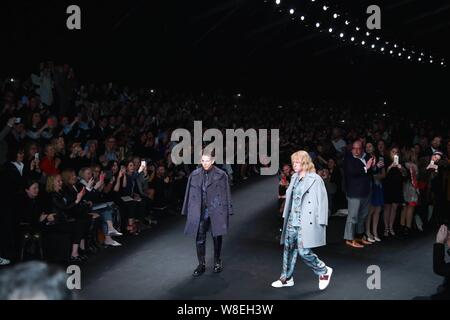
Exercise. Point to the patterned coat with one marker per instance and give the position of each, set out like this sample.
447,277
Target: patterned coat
218,201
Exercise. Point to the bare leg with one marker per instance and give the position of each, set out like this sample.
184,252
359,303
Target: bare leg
376,219
387,212
75,250
409,216
110,225
403,216
392,217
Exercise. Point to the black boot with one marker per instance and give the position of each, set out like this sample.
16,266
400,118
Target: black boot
199,270
218,266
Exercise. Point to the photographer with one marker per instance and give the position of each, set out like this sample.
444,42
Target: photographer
440,267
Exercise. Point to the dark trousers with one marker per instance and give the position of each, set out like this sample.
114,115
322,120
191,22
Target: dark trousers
76,229
205,224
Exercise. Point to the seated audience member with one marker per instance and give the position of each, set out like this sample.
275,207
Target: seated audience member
76,159
32,160
160,185
111,175
59,144
130,203
440,267
50,163
59,221
91,152
34,281
98,204
15,171
110,153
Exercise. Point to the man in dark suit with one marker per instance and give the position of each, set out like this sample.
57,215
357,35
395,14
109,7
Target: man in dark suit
357,167
207,204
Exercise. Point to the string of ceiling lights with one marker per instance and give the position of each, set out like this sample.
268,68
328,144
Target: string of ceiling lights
341,27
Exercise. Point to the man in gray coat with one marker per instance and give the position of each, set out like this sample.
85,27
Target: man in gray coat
305,220
207,204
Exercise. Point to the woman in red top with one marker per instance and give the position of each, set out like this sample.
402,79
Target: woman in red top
49,164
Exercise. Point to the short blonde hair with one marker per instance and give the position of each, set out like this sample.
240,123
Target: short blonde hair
304,159
50,185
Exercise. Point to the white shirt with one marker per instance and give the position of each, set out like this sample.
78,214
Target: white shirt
19,167
363,160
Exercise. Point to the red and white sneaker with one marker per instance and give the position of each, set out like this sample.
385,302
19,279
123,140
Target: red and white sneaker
324,280
280,284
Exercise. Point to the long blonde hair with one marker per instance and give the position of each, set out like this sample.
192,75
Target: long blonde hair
304,159
50,185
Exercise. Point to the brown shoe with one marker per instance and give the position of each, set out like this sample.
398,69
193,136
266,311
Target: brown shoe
354,244
363,241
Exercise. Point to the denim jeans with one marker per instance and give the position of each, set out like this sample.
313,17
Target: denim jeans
107,215
293,246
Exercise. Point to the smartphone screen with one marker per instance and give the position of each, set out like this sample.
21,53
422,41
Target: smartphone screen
36,155
143,163
396,159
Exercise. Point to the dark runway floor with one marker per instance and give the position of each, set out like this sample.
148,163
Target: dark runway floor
158,264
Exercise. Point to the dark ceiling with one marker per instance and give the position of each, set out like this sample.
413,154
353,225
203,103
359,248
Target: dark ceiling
235,44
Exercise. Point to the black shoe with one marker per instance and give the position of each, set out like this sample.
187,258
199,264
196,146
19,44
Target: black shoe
218,267
73,259
83,256
199,271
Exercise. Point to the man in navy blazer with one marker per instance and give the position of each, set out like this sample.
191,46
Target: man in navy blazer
357,167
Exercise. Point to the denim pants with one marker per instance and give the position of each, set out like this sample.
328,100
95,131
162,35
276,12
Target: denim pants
107,215
293,246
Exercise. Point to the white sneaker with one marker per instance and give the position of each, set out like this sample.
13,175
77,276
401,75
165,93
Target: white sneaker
114,232
279,284
324,280
4,262
112,243
377,239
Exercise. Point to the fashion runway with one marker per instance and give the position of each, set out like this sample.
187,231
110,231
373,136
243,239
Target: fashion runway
158,264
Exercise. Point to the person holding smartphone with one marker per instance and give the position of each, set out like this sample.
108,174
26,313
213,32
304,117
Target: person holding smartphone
393,190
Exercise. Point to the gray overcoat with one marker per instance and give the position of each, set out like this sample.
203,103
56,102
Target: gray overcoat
314,211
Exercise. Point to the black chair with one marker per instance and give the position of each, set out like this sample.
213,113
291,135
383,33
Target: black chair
30,238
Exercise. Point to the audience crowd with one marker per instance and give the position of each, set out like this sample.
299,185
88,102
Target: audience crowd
84,164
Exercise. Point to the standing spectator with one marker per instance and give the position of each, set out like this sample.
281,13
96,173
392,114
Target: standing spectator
357,172
285,179
410,191
338,143
393,190
329,186
377,197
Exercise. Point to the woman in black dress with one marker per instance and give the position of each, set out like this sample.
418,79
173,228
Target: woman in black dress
393,190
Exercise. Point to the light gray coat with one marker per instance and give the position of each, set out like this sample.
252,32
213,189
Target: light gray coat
313,210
